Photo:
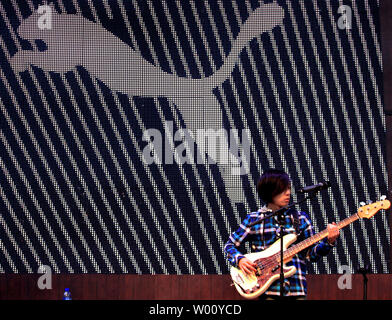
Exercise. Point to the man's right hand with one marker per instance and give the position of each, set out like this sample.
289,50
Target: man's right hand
247,266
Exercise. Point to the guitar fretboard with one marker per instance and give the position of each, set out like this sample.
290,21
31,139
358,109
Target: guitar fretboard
290,252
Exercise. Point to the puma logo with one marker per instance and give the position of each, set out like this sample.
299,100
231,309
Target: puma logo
73,40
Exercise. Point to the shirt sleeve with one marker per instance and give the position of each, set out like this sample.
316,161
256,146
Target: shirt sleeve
235,240
318,250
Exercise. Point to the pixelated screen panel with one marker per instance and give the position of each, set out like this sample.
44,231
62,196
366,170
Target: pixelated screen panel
103,109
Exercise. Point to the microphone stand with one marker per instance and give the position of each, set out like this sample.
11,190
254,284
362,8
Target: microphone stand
365,270
281,218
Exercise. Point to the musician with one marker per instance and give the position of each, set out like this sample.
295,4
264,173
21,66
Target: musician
274,189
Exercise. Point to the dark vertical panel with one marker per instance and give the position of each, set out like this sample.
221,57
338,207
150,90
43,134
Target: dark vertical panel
386,45
3,287
176,287
14,286
205,290
30,287
112,282
126,291
59,284
194,287
388,122
163,287
183,287
145,287
90,288
101,286
78,285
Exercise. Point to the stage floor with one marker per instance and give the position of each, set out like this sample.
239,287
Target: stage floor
176,287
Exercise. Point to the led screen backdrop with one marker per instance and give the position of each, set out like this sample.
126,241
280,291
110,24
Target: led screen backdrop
105,107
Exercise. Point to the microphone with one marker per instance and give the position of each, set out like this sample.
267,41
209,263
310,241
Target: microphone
315,187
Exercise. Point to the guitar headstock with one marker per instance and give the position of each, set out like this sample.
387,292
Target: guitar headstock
369,210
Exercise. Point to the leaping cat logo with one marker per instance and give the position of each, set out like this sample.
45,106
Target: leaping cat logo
75,41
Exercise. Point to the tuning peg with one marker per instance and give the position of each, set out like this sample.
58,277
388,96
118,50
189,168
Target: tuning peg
362,204
369,202
382,198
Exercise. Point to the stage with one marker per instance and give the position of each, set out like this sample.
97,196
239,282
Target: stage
173,287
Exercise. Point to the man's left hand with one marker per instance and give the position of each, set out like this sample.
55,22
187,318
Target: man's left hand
333,232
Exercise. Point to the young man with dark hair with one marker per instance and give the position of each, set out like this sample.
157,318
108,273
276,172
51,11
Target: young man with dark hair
274,189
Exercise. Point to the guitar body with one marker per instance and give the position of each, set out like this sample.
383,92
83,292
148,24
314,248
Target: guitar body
252,286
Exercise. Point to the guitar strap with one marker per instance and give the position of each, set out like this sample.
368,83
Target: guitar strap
296,222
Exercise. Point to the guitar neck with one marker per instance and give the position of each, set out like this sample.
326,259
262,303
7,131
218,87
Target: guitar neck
290,252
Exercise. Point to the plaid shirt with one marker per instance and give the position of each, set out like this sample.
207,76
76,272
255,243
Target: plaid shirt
262,235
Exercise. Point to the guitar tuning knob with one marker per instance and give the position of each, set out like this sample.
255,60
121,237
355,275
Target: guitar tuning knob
382,198
362,204
369,202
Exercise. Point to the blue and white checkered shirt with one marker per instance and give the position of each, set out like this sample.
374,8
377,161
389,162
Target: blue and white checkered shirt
262,235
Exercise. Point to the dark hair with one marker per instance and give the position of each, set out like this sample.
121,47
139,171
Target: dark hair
271,183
